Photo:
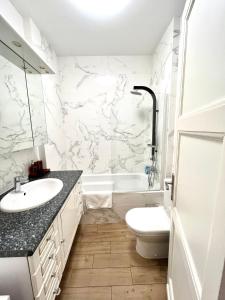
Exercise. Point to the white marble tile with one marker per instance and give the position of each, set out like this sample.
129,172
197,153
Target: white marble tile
37,108
14,164
106,127
55,150
15,127
163,81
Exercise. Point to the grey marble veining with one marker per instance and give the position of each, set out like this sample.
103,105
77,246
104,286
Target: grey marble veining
106,128
163,82
21,233
15,127
13,164
55,150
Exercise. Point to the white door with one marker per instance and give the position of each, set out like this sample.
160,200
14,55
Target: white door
197,246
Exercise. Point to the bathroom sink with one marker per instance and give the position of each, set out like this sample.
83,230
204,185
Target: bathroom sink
32,194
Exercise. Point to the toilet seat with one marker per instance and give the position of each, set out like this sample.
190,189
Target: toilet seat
148,220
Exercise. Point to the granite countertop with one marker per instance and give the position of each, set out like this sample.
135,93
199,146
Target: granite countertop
22,232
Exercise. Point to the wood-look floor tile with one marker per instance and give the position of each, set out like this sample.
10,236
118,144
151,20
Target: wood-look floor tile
87,293
148,275
123,247
87,228
66,277
112,227
116,260
98,277
104,264
91,248
138,261
163,262
116,236
80,261
112,260
100,216
139,292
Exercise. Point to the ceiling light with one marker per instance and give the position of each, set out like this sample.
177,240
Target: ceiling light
101,9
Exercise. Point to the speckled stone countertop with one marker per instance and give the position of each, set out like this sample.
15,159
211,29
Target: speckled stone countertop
22,232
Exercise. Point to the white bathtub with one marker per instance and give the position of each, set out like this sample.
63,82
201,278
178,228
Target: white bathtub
116,183
120,191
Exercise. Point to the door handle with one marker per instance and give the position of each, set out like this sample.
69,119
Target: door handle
168,183
57,291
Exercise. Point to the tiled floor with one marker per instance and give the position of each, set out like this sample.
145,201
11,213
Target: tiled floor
100,216
104,265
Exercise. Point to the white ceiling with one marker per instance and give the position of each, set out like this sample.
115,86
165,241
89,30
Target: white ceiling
135,31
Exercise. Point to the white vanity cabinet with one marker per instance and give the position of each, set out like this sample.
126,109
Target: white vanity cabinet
49,260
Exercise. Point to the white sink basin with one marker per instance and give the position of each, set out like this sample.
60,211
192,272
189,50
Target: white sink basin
33,194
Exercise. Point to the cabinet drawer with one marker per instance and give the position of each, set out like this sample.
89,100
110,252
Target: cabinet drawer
47,239
78,188
46,262
78,200
41,295
50,277
78,204
53,289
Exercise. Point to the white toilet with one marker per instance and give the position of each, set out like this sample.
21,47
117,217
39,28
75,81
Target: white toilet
151,226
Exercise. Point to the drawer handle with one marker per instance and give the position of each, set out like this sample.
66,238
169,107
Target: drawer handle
53,275
51,256
57,291
62,241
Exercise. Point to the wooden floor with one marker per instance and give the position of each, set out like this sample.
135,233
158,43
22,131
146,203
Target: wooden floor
104,265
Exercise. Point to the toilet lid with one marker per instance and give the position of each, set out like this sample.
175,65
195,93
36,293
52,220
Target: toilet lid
148,220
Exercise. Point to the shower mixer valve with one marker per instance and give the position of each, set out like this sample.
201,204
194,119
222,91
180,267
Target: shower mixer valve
149,170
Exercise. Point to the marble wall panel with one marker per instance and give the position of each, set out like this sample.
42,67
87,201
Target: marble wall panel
15,127
106,127
163,82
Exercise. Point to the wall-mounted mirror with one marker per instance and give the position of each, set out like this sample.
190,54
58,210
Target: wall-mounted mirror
22,114
37,107
15,125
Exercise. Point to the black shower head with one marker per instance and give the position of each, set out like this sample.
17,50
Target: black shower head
137,93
